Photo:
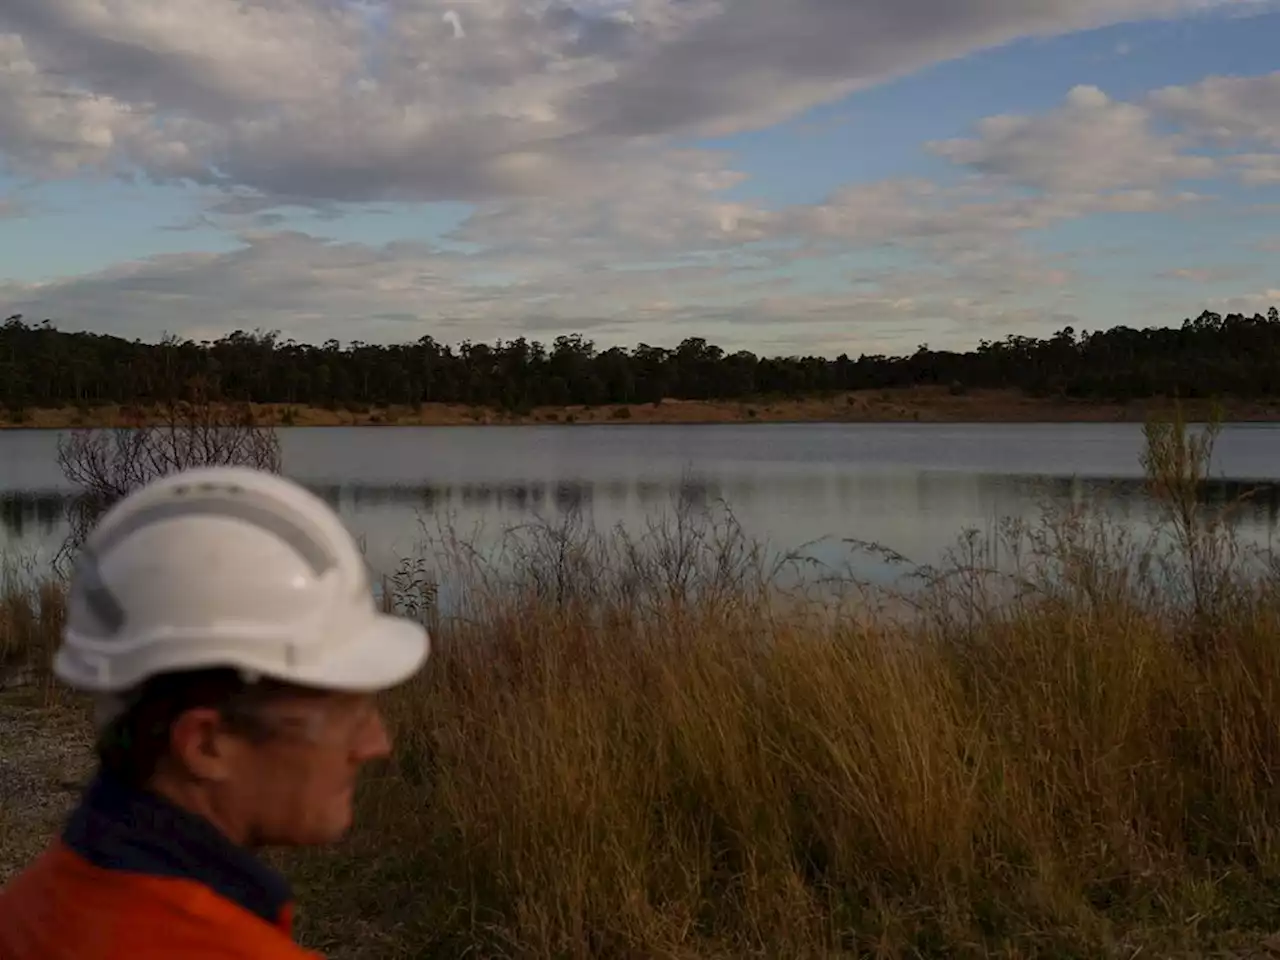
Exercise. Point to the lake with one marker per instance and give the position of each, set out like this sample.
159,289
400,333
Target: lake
912,487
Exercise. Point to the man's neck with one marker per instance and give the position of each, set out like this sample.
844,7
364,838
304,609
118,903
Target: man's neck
169,832
201,800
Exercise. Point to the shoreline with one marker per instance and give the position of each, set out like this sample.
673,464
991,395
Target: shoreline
912,405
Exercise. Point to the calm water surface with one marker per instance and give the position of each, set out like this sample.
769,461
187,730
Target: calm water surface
913,487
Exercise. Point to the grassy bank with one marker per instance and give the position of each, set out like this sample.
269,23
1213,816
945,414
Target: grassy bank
925,404
641,747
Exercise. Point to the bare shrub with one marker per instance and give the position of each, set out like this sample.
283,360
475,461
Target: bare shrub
1176,461
191,426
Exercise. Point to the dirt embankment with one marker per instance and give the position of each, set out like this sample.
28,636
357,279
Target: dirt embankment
918,404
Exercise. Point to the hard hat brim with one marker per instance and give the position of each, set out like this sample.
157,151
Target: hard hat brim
385,654
380,652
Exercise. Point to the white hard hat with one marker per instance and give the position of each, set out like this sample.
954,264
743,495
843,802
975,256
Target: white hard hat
229,567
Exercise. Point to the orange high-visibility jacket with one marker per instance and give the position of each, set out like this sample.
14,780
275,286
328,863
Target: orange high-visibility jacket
135,878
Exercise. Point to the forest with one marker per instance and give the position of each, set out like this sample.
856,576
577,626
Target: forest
1209,356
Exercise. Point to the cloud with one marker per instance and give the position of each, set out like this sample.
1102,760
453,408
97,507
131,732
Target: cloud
1229,110
663,202
957,220
1088,145
1201,274
313,289
753,62
388,99
1258,169
646,247
558,124
648,203
1248,303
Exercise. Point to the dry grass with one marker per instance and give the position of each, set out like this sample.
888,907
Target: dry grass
31,614
638,747
641,747
737,784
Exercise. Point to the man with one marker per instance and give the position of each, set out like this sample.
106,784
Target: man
224,622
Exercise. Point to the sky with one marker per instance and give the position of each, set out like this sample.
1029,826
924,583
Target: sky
782,176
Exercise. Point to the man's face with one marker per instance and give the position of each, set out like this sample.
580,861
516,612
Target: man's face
295,786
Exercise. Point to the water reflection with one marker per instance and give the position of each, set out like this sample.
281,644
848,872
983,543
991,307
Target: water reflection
919,513
1259,501
912,487
36,514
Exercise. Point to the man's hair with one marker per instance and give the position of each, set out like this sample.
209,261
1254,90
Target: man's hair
133,743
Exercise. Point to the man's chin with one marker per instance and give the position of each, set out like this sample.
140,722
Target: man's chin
332,832
317,838
321,834
340,823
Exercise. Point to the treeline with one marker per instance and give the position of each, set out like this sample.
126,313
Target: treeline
1209,356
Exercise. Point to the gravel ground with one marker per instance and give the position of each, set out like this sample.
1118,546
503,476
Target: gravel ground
45,758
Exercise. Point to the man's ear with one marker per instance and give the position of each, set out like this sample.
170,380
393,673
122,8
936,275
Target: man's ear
200,744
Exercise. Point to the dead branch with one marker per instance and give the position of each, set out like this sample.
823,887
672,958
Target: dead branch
193,429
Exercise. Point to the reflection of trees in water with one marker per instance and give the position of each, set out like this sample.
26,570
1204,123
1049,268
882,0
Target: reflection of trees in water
520,496
1254,502
32,513
41,513
1121,497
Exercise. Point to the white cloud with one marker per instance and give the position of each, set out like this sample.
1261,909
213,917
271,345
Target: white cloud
1231,112
1088,145
957,221
754,62
1258,169
650,203
312,290
49,130
1228,110
324,100
585,260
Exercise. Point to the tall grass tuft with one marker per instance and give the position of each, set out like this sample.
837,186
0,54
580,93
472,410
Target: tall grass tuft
31,614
